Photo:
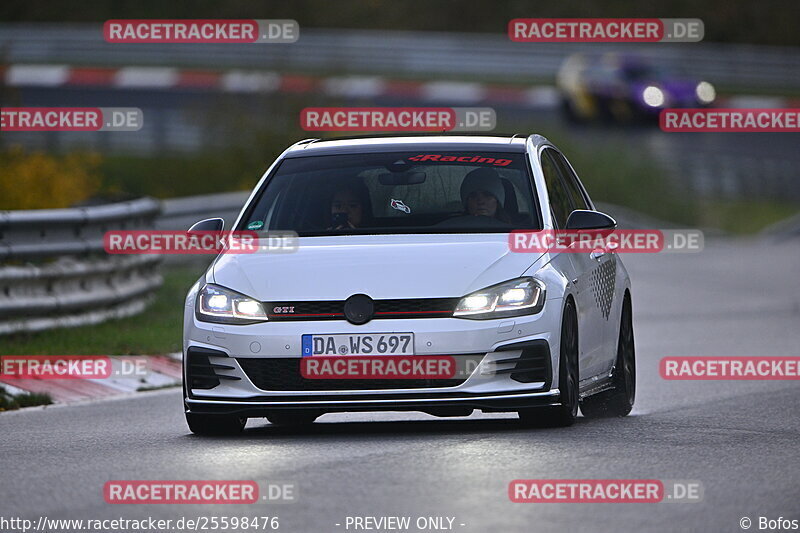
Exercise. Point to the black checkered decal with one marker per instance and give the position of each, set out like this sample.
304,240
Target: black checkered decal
602,280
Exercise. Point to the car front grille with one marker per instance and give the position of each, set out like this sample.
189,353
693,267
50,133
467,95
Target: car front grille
334,309
283,374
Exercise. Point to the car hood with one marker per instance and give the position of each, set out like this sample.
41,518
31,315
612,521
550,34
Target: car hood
381,266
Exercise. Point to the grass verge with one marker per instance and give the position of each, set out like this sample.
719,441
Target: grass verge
744,218
10,402
613,175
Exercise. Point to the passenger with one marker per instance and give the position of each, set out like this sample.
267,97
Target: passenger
482,194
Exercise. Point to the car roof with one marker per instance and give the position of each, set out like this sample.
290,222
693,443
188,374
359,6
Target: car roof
409,143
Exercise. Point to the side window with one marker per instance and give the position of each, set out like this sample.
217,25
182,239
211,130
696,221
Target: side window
571,181
559,197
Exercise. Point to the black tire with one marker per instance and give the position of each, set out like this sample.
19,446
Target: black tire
605,113
292,418
568,379
201,424
569,111
619,400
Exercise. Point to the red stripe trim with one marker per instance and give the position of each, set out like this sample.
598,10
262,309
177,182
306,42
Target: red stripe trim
402,88
410,312
91,76
378,313
298,84
198,78
499,93
308,314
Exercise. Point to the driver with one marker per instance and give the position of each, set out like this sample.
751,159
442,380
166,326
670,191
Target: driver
482,194
350,206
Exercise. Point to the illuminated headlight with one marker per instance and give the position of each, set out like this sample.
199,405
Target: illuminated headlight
705,92
653,96
523,296
224,306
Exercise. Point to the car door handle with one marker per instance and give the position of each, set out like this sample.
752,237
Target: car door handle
597,254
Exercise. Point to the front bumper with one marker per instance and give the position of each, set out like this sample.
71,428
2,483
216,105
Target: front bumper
487,402
504,349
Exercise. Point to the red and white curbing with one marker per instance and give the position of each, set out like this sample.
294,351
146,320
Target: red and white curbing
161,371
255,81
251,81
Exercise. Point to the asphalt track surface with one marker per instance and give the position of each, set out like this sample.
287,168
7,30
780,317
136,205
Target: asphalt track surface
739,439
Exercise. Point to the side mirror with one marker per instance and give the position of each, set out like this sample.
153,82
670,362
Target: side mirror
209,224
404,178
584,219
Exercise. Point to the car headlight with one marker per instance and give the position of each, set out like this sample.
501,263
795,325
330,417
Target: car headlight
523,296
653,96
224,306
705,92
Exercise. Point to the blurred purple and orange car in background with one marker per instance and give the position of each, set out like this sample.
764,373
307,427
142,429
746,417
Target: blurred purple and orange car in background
624,88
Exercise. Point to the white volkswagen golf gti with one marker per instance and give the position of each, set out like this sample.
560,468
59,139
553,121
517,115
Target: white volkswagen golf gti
403,254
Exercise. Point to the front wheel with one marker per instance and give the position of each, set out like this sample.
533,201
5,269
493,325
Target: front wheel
201,424
618,401
568,379
569,112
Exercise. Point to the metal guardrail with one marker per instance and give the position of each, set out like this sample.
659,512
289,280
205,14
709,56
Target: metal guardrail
181,213
423,54
53,272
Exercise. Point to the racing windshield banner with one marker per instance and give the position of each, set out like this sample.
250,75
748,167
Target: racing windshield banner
451,158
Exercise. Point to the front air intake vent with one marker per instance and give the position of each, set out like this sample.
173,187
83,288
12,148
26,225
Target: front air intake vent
199,369
532,365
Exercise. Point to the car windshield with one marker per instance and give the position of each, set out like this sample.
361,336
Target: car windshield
646,73
426,191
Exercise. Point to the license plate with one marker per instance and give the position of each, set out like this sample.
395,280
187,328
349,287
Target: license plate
361,344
